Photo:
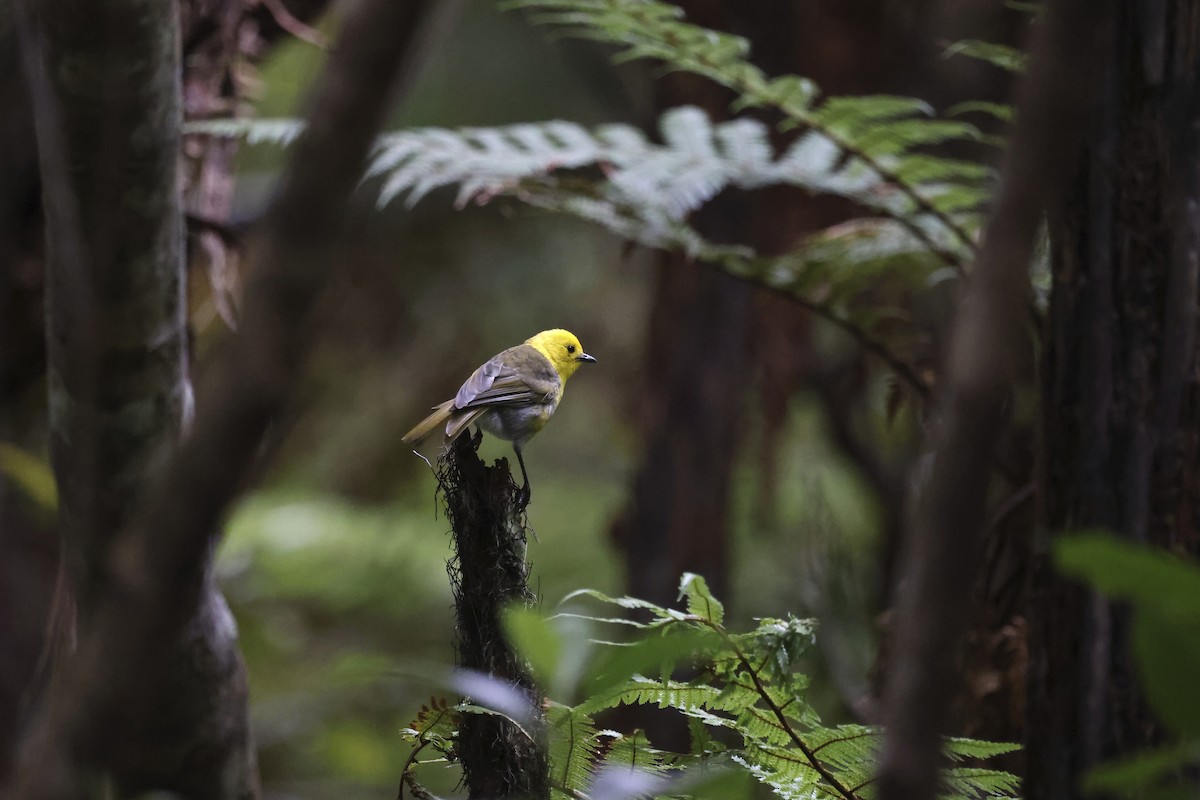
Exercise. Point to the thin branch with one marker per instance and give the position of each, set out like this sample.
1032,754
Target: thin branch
418,791
872,345
987,352
286,20
408,763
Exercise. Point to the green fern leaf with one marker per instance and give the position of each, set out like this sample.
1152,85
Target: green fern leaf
643,691
574,747
700,601
974,782
959,748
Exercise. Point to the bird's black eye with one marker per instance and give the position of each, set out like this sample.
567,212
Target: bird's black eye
570,348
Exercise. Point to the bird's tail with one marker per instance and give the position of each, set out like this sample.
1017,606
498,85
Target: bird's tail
445,419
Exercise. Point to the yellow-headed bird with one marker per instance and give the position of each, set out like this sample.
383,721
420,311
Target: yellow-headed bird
512,396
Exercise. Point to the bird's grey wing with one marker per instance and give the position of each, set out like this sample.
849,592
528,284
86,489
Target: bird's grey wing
497,382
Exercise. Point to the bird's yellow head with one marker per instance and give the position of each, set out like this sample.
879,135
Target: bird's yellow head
562,348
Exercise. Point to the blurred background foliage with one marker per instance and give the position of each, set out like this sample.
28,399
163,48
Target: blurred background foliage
335,564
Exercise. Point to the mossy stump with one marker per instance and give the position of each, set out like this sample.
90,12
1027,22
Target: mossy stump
488,572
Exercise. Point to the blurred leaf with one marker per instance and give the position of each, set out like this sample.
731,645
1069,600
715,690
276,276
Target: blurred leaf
1168,654
1141,771
625,783
1001,111
31,474
1006,58
616,663
1165,594
1148,576
494,695
355,749
718,784
559,649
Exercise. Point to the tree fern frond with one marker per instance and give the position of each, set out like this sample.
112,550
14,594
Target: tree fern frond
845,748
974,782
574,747
633,752
787,776
959,749
632,603
1007,58
254,131
655,30
648,189
680,695
700,600
762,726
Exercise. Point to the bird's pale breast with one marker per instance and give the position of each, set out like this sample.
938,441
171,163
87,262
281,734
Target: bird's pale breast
518,423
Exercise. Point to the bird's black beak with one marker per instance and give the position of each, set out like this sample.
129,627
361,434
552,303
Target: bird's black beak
585,357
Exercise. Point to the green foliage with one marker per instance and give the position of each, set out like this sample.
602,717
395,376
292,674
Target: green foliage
922,211
1164,594
745,685
1006,58
32,475
877,136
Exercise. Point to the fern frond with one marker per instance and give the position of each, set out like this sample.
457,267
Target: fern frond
574,747
790,780
660,613
436,725
763,727
845,748
680,695
700,601
633,752
874,131
255,131
1007,58
647,190
960,749
974,782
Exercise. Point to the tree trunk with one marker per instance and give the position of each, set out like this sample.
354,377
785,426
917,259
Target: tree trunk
489,573
108,113
723,334
1120,433
119,685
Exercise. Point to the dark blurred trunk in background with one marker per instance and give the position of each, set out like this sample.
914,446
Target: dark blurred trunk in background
1120,392
699,384
715,346
712,341
28,547
218,40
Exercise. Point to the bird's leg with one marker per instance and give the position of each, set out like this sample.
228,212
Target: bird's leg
523,497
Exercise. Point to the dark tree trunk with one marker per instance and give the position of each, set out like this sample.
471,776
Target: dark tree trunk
1120,435
156,606
711,338
28,551
218,37
488,574
108,109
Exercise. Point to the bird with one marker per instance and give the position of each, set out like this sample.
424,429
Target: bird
512,395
